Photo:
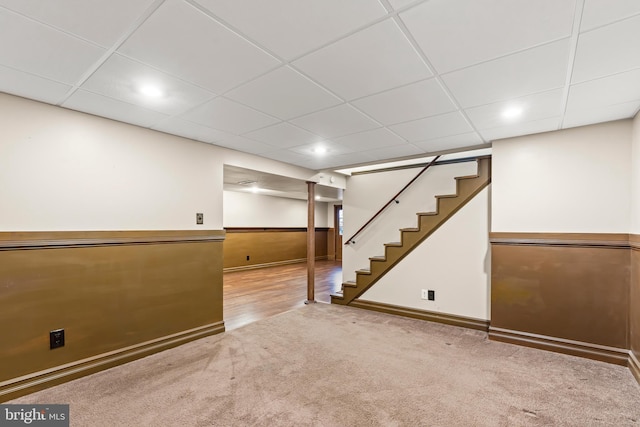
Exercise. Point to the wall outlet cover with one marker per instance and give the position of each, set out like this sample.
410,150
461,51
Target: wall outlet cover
56,338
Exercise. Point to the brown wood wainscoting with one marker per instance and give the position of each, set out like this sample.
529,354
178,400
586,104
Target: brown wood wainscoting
118,295
564,292
634,314
249,247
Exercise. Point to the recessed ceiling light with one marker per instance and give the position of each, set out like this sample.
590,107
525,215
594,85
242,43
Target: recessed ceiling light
151,91
320,150
512,112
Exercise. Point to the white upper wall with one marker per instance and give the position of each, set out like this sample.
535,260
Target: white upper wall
454,262
62,170
635,183
256,210
574,180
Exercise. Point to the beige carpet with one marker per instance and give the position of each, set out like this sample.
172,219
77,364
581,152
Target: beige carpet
325,365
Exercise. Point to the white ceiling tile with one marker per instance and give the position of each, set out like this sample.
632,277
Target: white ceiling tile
433,127
113,109
181,40
229,116
414,101
121,78
332,149
62,57
398,4
101,22
195,131
372,60
284,93
287,156
607,50
458,33
616,89
535,70
336,121
240,143
368,140
284,135
601,12
534,107
527,128
320,163
581,117
29,86
395,152
450,142
290,28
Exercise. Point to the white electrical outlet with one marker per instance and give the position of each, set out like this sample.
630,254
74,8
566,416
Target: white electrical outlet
424,294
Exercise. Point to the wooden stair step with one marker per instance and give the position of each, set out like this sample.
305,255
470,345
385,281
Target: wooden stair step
447,205
349,284
337,296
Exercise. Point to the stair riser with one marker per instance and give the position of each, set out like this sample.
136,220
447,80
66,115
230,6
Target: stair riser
409,238
427,222
378,267
340,301
350,293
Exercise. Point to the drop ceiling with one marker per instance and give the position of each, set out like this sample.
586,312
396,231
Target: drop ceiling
368,80
267,184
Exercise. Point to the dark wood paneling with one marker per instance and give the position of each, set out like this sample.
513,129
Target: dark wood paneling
634,315
574,287
331,244
266,246
109,290
431,316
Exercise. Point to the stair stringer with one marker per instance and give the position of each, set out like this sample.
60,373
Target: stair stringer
467,187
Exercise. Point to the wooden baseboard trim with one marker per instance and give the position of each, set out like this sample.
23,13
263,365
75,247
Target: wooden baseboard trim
21,386
414,313
602,353
271,264
634,366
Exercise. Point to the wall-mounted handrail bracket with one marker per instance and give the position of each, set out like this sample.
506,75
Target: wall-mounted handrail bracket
393,199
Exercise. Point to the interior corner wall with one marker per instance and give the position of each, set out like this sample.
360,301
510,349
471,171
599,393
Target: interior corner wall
634,299
561,215
454,262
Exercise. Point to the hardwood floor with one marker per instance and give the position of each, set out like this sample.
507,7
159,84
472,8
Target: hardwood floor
252,295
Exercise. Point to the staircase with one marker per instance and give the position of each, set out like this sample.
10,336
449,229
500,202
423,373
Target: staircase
428,222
